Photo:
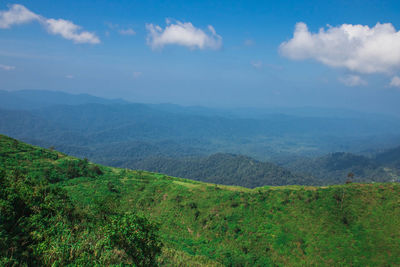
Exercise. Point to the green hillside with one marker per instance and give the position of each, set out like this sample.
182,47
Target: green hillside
74,212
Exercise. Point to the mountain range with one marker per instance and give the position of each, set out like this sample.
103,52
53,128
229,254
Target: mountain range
247,147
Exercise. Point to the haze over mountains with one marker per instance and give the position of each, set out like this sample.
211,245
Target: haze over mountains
199,133
181,140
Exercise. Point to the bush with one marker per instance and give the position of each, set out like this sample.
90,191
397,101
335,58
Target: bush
136,236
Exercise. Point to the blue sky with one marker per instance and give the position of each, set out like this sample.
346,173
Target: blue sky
165,51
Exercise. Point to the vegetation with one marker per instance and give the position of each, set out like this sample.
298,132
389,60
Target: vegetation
227,169
86,121
335,167
390,157
183,141
59,210
41,226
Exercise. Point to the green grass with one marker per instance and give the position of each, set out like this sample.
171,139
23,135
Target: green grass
289,225
209,225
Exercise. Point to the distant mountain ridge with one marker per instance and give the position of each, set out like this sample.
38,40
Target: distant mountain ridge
389,157
261,138
335,167
227,169
177,140
32,99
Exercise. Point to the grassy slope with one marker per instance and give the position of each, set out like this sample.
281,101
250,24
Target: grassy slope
355,224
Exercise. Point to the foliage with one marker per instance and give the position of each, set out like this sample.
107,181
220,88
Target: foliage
122,134
40,226
136,236
335,167
227,169
84,220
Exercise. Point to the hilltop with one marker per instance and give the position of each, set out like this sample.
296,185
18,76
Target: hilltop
199,223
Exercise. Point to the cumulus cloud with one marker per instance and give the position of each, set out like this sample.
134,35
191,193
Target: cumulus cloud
358,48
6,67
18,14
70,31
127,32
395,82
184,34
352,80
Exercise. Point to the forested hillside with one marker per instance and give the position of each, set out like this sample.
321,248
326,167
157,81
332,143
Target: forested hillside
390,157
182,141
62,210
85,125
227,169
336,167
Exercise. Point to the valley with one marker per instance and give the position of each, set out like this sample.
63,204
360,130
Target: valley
253,148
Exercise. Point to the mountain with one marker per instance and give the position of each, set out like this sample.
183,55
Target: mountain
390,157
335,167
60,210
179,140
31,99
264,138
227,169
231,169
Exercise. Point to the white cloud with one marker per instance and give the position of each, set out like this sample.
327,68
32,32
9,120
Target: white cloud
18,14
70,31
6,67
395,82
358,48
69,76
119,29
136,74
352,80
184,34
127,31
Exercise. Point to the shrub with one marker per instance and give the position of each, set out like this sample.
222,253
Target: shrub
136,236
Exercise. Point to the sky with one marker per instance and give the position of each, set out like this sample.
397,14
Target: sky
336,54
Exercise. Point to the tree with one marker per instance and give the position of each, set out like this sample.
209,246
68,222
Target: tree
350,177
